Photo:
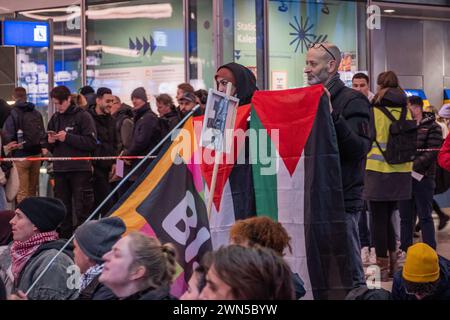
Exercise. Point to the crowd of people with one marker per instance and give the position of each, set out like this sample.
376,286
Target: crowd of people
388,148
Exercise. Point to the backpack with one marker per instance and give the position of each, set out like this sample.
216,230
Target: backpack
32,125
402,139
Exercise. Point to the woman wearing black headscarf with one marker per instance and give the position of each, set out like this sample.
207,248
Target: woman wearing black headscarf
243,87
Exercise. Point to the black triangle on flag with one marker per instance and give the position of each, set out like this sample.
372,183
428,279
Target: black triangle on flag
131,44
177,214
146,46
138,45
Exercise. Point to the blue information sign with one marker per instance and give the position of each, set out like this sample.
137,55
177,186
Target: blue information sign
25,33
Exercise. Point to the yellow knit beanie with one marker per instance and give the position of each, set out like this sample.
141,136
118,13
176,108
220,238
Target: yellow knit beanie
421,265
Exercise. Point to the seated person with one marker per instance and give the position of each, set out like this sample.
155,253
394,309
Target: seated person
92,241
195,284
36,243
267,233
139,268
425,275
241,273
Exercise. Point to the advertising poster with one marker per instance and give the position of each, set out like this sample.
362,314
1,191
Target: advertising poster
279,80
295,25
118,47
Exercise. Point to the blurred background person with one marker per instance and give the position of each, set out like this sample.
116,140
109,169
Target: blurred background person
241,273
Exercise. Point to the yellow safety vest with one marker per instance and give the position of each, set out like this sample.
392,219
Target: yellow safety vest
375,159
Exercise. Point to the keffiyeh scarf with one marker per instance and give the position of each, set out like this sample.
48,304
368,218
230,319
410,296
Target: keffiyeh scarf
21,252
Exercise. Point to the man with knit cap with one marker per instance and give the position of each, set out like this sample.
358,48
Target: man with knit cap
92,240
425,275
146,131
35,244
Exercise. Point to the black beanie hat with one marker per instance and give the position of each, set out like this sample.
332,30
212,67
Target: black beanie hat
45,213
139,93
95,238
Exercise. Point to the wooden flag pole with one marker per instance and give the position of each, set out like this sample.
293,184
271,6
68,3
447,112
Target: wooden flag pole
217,162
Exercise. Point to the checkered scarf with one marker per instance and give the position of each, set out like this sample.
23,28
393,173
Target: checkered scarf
89,275
21,252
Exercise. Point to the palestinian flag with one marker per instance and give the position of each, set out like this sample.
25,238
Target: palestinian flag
233,194
167,202
297,181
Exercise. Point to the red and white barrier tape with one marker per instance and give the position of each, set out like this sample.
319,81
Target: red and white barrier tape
428,150
73,158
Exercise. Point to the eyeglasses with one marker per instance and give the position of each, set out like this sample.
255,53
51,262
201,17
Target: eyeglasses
320,45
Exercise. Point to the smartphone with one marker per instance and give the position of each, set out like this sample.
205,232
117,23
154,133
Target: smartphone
51,132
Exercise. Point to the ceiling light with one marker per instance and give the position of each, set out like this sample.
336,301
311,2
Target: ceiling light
389,11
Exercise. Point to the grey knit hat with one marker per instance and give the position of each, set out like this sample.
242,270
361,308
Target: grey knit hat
139,93
95,238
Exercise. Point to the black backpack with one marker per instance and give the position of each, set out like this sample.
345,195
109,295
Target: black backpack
402,139
32,125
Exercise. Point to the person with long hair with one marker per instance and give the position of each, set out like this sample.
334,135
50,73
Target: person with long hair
139,268
242,273
386,184
265,232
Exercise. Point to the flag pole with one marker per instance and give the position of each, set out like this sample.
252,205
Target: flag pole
217,158
112,192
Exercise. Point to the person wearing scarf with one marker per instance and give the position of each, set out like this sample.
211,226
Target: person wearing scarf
35,243
93,240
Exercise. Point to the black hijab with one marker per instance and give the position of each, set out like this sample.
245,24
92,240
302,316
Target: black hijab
245,82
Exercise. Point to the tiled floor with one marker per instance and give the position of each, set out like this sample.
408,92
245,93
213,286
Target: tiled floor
443,247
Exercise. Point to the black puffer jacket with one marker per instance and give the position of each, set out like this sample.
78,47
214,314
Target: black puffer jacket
81,139
352,121
429,136
96,290
124,127
172,118
161,293
106,139
146,135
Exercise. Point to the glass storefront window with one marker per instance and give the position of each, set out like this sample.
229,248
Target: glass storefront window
201,62
32,62
240,33
295,25
135,43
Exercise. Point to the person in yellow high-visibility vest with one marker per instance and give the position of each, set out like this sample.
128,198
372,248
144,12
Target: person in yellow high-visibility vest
386,184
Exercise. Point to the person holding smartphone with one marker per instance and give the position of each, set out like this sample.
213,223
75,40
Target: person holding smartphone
72,133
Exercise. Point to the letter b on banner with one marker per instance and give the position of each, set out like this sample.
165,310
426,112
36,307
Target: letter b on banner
181,232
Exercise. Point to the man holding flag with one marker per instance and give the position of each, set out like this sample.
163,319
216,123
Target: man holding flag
351,117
